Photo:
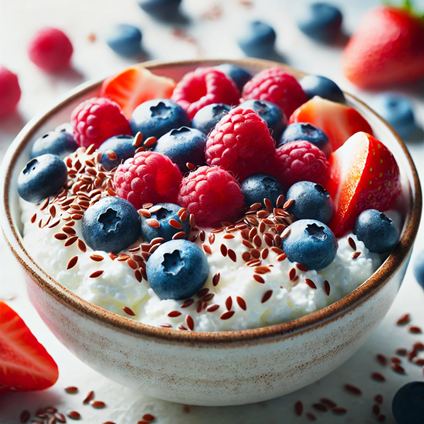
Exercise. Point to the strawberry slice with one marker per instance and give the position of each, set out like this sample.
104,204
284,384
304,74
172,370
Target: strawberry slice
24,363
338,121
134,86
364,175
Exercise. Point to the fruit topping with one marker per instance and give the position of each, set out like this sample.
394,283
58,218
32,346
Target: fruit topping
183,145
155,118
338,121
10,91
164,220
60,143
310,243
270,113
307,132
136,85
376,230
207,117
321,21
50,49
408,404
364,175
124,39
259,187
112,224
177,269
116,149
316,85
276,86
310,201
419,268
241,143
212,195
257,39
148,177
97,119
26,365
239,75
203,87
160,8
42,177
301,161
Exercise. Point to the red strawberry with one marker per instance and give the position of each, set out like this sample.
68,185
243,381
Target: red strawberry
134,86
338,121
364,175
24,363
386,48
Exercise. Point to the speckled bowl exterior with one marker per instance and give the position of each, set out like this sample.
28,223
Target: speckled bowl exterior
229,368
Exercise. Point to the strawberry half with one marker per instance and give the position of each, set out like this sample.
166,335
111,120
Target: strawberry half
134,86
338,121
364,175
24,363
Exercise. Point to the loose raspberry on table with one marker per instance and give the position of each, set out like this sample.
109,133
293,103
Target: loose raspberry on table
203,87
301,161
50,49
212,195
277,86
148,177
241,143
96,120
10,91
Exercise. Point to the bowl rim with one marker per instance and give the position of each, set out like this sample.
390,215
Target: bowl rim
259,335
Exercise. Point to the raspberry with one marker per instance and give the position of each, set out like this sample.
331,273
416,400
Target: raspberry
212,195
277,86
241,143
148,177
10,92
202,87
96,120
301,161
50,49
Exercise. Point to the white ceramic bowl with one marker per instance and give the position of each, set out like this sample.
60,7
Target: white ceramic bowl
228,368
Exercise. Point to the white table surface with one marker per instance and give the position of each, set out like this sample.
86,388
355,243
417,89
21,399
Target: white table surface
215,38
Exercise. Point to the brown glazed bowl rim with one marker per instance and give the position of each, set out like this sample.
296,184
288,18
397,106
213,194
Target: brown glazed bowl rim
204,339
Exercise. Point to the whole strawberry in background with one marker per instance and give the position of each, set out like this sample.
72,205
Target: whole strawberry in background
386,48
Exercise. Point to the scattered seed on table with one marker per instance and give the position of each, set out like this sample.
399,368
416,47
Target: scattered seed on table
98,404
415,330
148,417
73,415
339,410
353,389
379,399
320,407
298,408
381,359
89,397
25,416
71,390
404,319
377,376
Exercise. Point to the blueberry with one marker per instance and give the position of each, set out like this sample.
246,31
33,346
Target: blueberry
398,111
419,268
42,177
321,21
308,132
163,213
160,8
177,269
239,75
258,187
183,145
124,39
376,230
310,243
121,145
257,39
111,225
207,117
316,85
310,201
155,118
270,113
60,143
408,404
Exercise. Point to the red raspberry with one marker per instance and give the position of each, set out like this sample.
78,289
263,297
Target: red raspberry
277,86
148,177
202,87
96,120
241,143
10,92
212,195
301,161
50,49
